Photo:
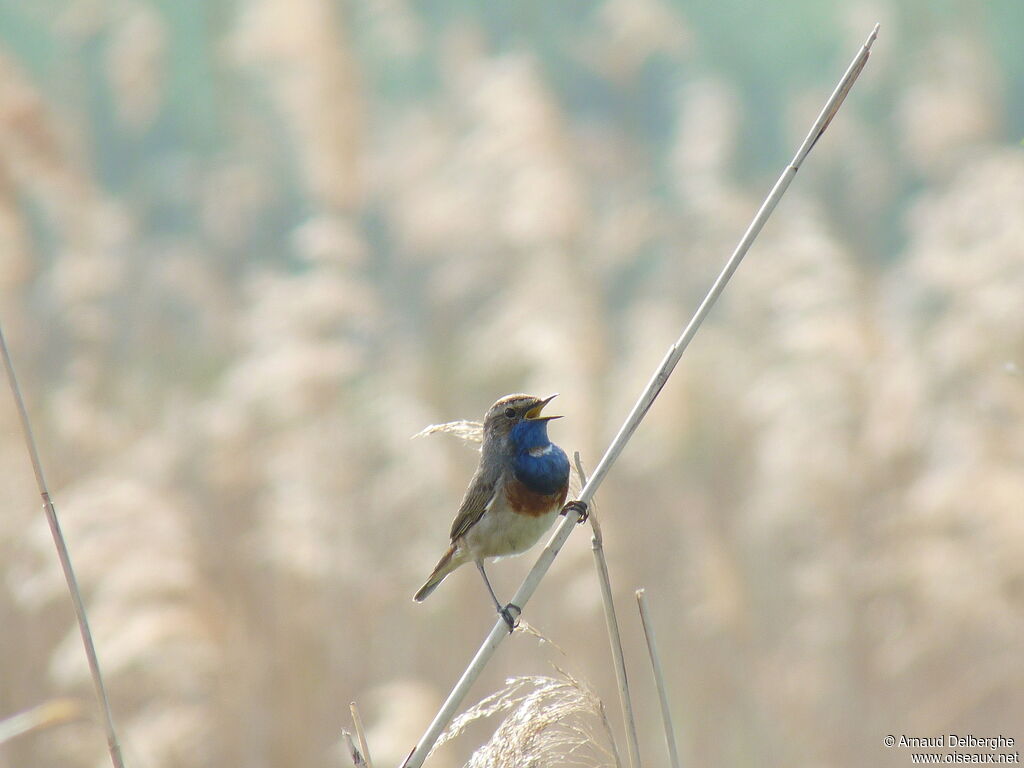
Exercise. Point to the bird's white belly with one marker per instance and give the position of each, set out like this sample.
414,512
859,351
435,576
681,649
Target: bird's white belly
501,532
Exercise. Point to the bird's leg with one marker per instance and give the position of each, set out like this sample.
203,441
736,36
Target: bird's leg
490,589
579,507
506,611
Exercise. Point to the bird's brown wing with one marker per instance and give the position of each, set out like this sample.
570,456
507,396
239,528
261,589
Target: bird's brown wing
478,497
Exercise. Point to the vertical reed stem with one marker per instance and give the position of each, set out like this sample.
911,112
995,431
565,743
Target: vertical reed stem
659,678
612,622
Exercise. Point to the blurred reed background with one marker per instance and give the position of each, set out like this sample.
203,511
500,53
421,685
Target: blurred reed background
249,247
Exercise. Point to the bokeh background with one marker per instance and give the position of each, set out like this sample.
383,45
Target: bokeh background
249,247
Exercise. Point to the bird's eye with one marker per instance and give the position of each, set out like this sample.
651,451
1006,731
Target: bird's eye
510,412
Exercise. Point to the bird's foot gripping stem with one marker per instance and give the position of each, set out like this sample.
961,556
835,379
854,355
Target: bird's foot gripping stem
579,507
511,613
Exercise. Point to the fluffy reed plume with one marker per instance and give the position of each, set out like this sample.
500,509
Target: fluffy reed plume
547,721
468,431
952,105
300,48
953,553
631,33
136,64
146,601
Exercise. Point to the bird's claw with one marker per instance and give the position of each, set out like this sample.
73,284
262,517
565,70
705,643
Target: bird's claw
507,614
579,507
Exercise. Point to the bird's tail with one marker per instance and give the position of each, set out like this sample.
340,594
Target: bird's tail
448,563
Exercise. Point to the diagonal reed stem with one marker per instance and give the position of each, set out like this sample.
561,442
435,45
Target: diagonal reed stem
357,722
65,561
500,630
358,761
46,715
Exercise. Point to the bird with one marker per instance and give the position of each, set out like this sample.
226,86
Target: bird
518,490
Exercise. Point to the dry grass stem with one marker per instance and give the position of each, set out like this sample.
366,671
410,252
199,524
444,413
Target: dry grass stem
614,637
113,744
547,556
659,678
357,721
358,760
45,715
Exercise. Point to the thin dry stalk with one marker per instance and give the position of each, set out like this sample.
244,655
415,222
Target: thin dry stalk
357,721
43,716
113,744
353,751
614,638
659,678
643,404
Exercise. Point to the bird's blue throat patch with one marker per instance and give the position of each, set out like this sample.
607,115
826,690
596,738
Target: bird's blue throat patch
540,465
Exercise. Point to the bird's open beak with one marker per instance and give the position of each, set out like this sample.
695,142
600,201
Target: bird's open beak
534,413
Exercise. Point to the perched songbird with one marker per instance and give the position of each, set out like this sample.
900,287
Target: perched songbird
517,492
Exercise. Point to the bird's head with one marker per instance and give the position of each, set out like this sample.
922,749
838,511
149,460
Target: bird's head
521,413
